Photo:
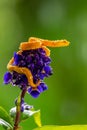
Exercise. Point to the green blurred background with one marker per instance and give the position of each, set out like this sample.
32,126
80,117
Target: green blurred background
65,102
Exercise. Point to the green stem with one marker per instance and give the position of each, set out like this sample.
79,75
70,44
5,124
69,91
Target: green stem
18,110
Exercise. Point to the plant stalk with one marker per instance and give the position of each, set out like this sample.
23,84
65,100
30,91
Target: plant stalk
18,110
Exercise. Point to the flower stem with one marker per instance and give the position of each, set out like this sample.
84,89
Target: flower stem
18,110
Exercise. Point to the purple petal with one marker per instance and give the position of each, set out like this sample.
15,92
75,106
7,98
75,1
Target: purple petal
34,92
29,59
48,70
29,89
7,77
22,108
40,63
22,63
47,60
41,51
44,86
42,76
17,58
40,88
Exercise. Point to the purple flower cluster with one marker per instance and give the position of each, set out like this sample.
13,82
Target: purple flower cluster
38,63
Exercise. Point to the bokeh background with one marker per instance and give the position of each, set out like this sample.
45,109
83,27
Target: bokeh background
65,102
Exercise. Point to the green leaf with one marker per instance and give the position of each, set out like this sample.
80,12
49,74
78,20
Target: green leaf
37,118
71,127
5,116
5,125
